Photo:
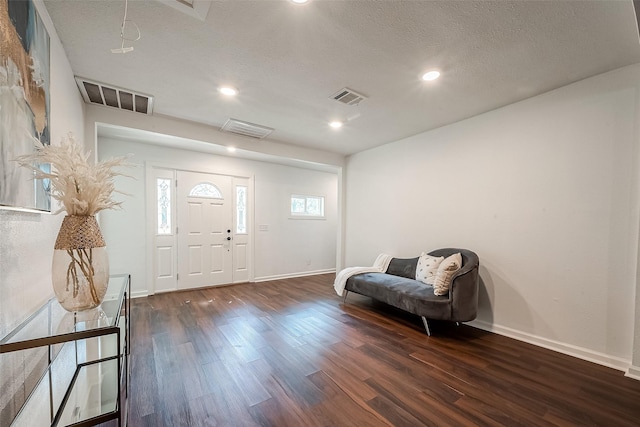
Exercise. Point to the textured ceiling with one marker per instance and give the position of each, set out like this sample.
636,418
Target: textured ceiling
287,59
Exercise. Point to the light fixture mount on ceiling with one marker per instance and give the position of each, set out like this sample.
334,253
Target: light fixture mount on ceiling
348,96
122,48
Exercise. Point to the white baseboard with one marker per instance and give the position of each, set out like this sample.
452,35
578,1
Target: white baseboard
292,275
633,372
139,294
560,347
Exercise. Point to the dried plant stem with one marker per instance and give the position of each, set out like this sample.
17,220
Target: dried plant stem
82,258
82,187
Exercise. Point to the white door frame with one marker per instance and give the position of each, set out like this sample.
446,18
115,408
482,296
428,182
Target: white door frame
151,169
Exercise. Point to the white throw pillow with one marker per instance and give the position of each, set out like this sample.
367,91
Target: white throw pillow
427,268
446,270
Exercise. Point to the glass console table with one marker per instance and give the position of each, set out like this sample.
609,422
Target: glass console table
86,377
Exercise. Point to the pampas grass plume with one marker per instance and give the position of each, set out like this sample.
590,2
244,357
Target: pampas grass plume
81,188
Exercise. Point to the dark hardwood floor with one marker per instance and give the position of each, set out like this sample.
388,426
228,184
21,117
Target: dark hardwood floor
290,353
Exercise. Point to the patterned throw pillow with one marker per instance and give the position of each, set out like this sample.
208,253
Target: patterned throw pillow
427,268
444,275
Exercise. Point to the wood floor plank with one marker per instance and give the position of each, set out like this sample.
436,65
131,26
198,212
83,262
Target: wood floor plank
143,390
291,353
174,408
250,387
279,411
226,400
204,413
242,346
355,388
493,413
396,415
191,372
291,379
331,411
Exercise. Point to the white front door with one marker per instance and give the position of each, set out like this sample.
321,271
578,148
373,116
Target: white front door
205,217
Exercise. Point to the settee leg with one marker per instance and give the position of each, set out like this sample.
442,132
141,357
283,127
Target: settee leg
426,325
345,296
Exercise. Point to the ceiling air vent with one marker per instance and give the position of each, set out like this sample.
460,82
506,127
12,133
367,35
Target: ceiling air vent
247,129
112,96
348,96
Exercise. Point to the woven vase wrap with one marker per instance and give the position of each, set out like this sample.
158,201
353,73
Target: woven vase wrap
79,232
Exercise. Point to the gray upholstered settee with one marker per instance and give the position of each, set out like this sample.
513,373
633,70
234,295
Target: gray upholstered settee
398,287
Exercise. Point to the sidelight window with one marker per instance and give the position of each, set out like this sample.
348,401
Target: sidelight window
163,189
241,209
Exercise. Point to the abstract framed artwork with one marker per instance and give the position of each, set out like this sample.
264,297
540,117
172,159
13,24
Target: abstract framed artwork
24,103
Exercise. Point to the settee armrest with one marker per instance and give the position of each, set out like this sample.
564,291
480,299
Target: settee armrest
464,285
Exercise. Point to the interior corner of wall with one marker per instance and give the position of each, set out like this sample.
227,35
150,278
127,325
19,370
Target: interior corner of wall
633,372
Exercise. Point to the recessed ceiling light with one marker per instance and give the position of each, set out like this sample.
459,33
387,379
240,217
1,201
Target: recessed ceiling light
336,124
227,90
300,1
431,75
231,149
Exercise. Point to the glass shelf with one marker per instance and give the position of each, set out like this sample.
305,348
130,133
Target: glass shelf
87,361
94,393
52,324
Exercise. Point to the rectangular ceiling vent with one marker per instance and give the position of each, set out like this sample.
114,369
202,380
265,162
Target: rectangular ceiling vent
247,129
112,96
348,96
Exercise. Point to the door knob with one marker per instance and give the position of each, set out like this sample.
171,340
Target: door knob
228,238
228,231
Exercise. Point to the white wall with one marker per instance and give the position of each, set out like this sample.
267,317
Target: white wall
289,247
293,246
545,191
27,239
634,369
